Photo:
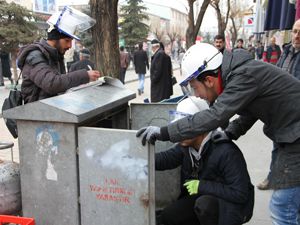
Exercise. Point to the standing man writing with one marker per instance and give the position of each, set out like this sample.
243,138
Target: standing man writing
42,63
140,60
237,84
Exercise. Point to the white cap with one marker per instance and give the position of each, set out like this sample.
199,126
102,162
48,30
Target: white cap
70,21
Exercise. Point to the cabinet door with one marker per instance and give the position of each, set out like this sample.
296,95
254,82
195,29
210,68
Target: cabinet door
167,183
116,178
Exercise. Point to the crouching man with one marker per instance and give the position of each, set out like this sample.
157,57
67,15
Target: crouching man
216,188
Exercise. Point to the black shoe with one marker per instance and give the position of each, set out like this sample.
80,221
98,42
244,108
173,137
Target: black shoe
2,84
139,91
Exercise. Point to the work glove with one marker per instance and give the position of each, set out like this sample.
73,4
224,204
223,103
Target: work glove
149,134
192,186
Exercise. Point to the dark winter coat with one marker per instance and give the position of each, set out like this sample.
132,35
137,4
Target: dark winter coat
82,64
5,61
43,72
161,76
222,174
140,60
295,68
256,91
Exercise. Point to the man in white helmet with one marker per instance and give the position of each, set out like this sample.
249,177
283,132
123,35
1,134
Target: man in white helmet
215,184
42,63
237,84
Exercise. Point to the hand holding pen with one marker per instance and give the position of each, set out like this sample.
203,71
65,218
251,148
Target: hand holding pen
93,74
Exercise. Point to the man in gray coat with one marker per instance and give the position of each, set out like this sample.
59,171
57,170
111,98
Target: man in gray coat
237,84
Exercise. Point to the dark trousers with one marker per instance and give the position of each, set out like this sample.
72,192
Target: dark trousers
122,75
192,210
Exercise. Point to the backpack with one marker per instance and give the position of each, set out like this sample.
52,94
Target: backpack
13,100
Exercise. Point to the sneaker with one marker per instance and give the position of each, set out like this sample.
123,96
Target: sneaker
264,185
140,92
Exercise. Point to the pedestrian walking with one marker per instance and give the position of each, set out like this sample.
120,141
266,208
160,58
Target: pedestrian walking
259,50
234,83
124,63
5,67
141,62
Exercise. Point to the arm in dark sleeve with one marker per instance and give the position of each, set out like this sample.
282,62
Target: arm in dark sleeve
239,126
241,90
236,178
157,68
169,159
49,79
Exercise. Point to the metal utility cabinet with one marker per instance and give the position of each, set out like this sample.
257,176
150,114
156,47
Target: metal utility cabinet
81,165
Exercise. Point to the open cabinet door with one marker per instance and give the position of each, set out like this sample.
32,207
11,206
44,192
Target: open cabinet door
167,183
116,178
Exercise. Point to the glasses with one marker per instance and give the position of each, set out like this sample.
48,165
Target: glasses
296,32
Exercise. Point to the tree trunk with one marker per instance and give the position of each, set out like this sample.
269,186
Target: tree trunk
106,37
233,32
193,29
190,39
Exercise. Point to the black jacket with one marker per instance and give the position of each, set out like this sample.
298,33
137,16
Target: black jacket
223,174
161,76
43,72
82,64
140,60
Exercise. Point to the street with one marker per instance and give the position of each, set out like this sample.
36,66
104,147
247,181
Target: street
255,146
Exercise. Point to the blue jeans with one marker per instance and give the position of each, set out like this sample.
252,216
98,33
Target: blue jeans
141,81
285,206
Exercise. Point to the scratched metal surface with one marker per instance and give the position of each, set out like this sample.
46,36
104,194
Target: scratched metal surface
48,167
73,107
116,178
167,183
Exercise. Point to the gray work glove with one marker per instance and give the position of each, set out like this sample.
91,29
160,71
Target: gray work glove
149,134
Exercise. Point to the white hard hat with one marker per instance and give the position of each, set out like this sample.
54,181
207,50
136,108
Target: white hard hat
198,59
188,106
70,22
